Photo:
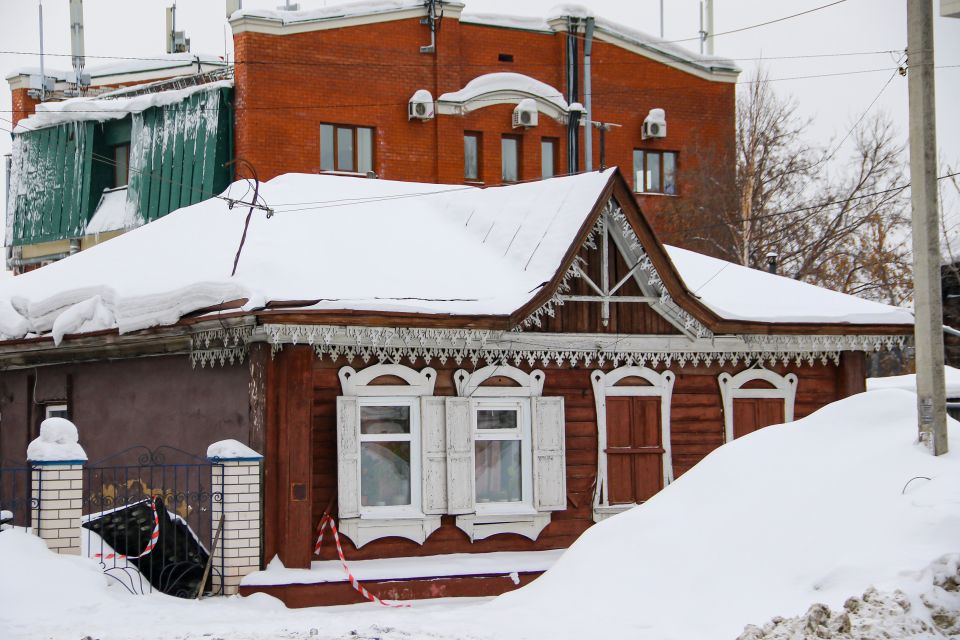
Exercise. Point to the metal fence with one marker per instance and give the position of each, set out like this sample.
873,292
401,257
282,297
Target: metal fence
149,517
16,499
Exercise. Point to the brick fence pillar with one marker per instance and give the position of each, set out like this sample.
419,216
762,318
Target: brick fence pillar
236,473
57,459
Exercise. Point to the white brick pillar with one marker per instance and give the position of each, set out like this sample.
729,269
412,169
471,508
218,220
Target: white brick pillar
236,473
57,460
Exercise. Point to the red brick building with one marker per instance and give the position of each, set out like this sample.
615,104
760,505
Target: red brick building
330,90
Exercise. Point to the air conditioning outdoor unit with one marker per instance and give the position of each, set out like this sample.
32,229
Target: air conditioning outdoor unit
655,124
526,114
420,106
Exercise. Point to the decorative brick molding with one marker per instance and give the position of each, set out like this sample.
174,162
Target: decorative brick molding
237,473
57,489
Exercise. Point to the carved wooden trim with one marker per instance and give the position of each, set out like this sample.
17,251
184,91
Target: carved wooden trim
785,388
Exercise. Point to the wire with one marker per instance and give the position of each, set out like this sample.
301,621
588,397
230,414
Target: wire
763,24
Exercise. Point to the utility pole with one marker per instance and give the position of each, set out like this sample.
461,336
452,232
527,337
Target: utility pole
43,75
928,311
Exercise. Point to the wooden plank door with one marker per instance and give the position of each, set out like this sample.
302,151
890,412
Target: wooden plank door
634,448
752,414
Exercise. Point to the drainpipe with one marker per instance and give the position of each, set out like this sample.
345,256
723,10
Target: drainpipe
588,97
573,82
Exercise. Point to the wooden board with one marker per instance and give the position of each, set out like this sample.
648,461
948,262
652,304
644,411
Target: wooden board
634,448
752,414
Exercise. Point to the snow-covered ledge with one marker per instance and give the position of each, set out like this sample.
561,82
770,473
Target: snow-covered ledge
57,460
236,473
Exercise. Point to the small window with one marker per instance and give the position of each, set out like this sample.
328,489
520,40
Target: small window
56,411
346,148
121,165
471,156
655,172
505,57
389,455
510,159
502,453
548,157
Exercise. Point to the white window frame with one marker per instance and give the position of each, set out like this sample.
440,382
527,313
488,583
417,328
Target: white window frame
521,434
784,388
364,524
604,386
523,518
50,408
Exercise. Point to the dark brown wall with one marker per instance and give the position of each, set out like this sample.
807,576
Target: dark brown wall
120,403
696,430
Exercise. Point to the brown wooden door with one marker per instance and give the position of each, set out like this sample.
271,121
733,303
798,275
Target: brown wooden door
751,414
634,449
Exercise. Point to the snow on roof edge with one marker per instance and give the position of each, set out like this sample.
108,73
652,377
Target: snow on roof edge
122,66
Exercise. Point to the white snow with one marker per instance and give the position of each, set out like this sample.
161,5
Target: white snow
112,213
58,442
909,382
339,10
736,292
455,564
101,108
230,450
90,315
525,23
504,81
376,245
156,62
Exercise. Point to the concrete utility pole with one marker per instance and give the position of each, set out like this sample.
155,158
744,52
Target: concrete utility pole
928,330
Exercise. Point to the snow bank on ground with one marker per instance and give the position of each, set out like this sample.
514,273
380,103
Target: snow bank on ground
909,382
811,511
58,442
731,291
230,450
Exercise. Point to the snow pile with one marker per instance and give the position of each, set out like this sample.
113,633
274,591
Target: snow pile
58,442
503,81
730,290
909,382
808,512
101,109
112,213
231,450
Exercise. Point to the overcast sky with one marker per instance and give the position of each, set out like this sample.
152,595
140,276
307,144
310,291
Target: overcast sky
834,102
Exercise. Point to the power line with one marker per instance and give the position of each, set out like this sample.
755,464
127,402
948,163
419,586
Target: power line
762,24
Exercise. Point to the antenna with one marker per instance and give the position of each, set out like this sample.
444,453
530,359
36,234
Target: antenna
177,42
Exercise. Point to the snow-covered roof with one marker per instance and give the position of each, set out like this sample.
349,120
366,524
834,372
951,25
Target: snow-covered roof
112,214
160,62
347,243
107,108
735,292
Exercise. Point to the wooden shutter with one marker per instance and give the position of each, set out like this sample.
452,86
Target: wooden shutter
348,456
460,472
433,439
549,460
634,448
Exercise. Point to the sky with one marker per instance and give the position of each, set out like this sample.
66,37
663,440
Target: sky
840,91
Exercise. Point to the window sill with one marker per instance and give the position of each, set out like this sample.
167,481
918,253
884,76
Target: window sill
349,174
483,525
369,528
654,193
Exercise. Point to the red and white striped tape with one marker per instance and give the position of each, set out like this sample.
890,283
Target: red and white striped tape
150,544
327,521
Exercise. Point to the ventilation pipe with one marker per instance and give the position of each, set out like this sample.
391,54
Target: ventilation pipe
587,96
573,97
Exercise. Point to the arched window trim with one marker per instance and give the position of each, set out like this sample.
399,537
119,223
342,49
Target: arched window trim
731,388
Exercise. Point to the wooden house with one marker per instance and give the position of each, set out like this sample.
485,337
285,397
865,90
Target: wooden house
444,369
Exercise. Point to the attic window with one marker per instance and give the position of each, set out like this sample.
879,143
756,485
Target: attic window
505,57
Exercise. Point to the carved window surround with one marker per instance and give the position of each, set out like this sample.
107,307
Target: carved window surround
731,388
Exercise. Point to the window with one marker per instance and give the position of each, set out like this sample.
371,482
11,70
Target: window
754,399
548,157
655,172
502,454
510,159
56,411
471,156
389,459
121,165
346,148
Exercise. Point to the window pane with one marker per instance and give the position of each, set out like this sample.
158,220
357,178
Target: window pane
344,149
496,419
384,474
379,420
670,173
364,149
509,159
637,170
546,158
326,148
120,157
471,159
498,470
653,172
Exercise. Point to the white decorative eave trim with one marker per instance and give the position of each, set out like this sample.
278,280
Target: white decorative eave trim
220,346
416,345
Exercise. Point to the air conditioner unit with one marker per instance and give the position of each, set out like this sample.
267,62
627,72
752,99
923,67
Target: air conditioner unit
420,106
526,114
655,124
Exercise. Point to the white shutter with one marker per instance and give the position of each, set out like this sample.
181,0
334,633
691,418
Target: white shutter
348,456
460,494
549,460
433,440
